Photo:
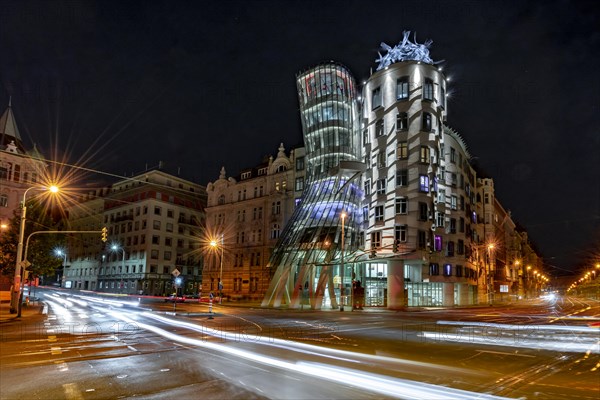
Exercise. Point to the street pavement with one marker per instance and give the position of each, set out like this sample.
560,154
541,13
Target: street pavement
33,308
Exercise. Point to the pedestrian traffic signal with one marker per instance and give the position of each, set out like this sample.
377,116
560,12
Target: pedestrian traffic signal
104,234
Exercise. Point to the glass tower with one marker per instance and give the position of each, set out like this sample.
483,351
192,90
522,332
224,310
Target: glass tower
312,263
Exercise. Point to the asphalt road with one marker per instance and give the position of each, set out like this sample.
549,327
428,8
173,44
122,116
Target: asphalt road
105,348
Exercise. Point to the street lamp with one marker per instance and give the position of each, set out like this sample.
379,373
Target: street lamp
343,217
62,253
114,247
15,299
490,284
214,244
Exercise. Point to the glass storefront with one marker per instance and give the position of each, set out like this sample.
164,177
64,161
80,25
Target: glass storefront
375,284
425,294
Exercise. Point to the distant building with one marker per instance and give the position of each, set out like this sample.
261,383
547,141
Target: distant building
20,169
246,215
155,227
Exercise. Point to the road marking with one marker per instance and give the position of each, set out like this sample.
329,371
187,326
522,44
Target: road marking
504,353
52,338
72,392
55,351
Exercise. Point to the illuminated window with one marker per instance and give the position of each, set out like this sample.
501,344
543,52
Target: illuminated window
424,154
424,183
402,88
448,269
437,243
434,269
402,150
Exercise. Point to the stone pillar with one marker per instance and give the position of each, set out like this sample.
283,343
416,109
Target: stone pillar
463,294
448,293
396,298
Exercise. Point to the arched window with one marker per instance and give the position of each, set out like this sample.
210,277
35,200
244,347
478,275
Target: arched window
281,168
222,199
4,201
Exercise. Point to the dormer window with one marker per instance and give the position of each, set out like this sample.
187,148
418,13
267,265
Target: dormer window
281,168
246,175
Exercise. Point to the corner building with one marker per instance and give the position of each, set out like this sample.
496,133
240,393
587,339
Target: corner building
418,191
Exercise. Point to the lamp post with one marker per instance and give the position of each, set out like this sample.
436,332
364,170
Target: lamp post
490,284
214,244
343,217
16,293
114,247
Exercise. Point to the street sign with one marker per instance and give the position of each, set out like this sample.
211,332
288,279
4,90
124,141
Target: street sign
24,264
176,273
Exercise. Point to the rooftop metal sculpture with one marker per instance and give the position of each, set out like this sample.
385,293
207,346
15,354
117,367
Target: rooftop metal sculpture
405,51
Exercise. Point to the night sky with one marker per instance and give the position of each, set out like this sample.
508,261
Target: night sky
119,86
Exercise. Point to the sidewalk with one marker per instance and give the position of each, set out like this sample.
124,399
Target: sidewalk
34,308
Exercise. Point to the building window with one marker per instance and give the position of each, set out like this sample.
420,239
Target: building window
434,269
170,214
424,183
421,239
376,98
453,201
460,247
221,200
401,205
376,240
402,150
367,187
447,269
424,154
169,227
157,211
156,224
167,255
402,121
378,213
440,219
461,225
400,233
365,213
4,201
275,231
299,163
299,184
426,122
379,128
154,254
428,89
276,208
155,239
423,211
402,88
402,177
452,226
381,186
381,159
452,155
257,213
437,243
366,137
246,175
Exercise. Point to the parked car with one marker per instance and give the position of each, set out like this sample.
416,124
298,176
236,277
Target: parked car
175,299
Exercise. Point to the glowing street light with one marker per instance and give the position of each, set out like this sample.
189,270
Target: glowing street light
116,247
214,244
15,300
62,253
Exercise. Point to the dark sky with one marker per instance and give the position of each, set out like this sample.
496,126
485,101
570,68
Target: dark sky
118,86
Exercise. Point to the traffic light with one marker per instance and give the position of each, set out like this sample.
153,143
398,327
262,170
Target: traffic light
396,243
104,234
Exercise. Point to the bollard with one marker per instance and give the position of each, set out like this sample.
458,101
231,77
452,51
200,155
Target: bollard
210,316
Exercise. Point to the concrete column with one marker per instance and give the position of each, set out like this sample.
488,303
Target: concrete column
396,298
448,293
463,294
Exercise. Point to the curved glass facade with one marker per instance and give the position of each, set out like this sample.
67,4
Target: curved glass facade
308,261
